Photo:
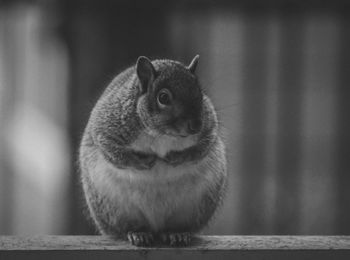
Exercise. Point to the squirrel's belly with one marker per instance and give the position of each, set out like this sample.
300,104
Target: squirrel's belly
157,194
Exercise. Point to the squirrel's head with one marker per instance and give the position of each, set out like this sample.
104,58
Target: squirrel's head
171,97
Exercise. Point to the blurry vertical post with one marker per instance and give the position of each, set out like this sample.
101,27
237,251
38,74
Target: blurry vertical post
343,125
33,125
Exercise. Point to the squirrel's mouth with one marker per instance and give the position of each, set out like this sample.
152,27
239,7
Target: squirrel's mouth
178,134
175,134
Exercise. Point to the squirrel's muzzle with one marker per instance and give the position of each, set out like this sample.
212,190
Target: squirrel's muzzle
194,126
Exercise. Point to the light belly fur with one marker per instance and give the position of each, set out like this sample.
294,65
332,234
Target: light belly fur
158,194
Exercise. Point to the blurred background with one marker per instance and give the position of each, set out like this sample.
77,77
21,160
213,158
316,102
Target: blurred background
277,71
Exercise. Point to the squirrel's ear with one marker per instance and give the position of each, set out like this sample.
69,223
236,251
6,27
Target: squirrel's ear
193,65
145,72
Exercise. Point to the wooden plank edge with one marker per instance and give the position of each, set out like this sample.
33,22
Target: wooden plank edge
203,243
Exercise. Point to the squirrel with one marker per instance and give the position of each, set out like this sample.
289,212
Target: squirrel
152,164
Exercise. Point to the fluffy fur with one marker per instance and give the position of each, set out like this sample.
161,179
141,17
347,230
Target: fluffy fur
163,199
182,179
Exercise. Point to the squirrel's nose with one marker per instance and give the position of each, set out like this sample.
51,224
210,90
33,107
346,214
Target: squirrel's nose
194,126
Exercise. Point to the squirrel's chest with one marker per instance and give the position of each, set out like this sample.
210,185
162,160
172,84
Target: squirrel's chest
155,195
160,145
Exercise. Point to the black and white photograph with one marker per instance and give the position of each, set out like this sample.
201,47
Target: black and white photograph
174,129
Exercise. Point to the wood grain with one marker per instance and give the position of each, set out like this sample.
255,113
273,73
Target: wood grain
199,243
203,247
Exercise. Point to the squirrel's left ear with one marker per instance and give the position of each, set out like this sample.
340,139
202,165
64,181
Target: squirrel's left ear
193,65
145,72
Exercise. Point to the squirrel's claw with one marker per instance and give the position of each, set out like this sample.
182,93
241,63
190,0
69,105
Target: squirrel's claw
174,158
144,161
176,239
140,238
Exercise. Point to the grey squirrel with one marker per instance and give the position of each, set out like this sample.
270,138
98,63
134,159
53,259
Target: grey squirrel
153,166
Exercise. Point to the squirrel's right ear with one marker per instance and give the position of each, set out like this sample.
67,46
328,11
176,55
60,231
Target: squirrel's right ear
193,65
145,72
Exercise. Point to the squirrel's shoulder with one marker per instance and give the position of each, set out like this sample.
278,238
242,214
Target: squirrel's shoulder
125,78
115,111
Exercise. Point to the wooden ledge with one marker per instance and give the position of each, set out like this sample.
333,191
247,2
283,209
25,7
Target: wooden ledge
199,243
203,247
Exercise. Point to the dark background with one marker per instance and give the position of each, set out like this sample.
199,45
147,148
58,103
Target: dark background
277,71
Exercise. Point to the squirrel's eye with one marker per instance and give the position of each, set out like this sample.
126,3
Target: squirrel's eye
164,97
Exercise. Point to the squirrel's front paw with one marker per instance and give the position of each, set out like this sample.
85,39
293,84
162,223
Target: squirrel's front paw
143,161
176,239
140,239
174,158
